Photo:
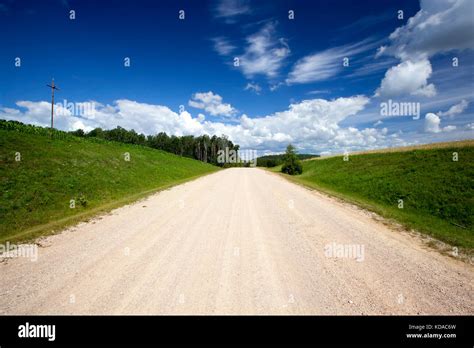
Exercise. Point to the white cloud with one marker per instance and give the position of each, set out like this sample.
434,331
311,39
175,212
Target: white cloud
319,91
253,87
222,46
408,77
433,124
264,54
378,123
373,67
275,86
439,26
201,117
313,125
323,65
316,67
80,125
428,90
143,118
246,122
229,10
212,103
455,109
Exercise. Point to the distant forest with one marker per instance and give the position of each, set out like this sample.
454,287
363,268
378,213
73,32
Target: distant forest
202,148
276,160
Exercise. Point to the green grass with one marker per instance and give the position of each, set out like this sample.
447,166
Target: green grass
437,192
36,191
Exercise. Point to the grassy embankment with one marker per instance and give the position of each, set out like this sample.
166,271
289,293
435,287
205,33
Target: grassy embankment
36,191
437,192
276,160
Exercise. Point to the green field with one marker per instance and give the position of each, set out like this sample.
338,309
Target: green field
437,192
38,189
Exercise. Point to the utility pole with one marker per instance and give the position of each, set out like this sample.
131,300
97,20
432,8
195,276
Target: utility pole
53,87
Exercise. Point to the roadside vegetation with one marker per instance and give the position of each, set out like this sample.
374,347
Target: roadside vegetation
270,161
291,164
40,176
202,148
428,189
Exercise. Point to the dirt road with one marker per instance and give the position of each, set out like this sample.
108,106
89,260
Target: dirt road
241,241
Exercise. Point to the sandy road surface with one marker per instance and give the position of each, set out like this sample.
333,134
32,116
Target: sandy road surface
238,241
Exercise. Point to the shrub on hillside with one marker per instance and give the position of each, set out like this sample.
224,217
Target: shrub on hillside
291,163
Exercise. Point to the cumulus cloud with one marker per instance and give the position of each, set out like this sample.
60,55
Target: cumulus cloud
455,109
264,54
407,78
311,124
212,103
323,65
201,117
315,122
439,26
143,118
433,124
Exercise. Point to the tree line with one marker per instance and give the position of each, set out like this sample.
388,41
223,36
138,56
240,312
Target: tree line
203,148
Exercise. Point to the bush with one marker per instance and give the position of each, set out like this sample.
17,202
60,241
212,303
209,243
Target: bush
78,133
291,163
292,169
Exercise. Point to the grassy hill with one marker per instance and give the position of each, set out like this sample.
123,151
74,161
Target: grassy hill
437,192
37,190
276,160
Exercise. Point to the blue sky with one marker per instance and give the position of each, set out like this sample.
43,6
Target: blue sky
290,84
